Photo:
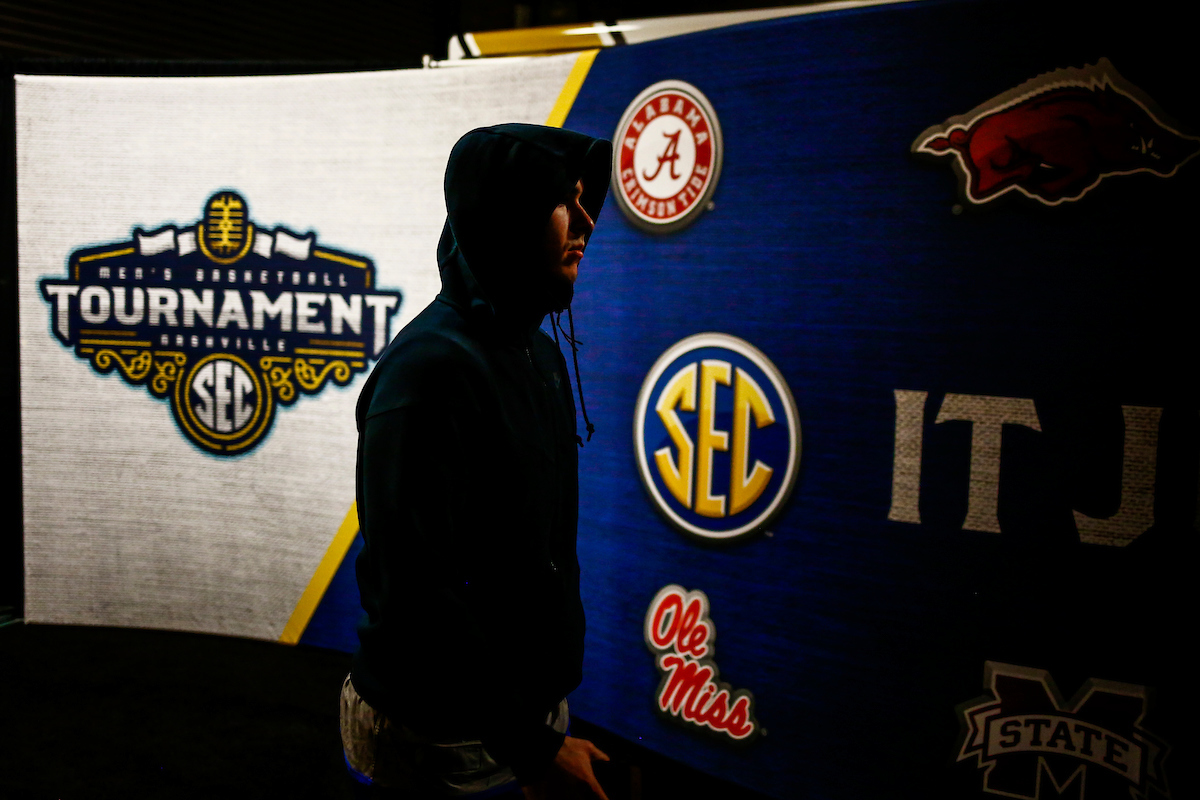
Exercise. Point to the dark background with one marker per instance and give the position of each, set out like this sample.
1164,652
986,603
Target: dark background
273,30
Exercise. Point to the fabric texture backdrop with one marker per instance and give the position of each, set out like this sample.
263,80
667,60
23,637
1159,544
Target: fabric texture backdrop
127,523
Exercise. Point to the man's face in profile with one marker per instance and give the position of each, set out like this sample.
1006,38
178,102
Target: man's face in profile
566,236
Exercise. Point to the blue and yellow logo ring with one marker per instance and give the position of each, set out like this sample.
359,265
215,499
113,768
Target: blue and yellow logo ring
241,434
716,436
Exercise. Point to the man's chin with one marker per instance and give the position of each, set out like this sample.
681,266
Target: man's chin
562,291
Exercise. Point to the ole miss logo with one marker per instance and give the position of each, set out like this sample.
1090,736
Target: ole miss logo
717,436
667,157
682,637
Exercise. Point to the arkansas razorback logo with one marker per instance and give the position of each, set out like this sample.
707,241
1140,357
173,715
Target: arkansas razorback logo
1054,138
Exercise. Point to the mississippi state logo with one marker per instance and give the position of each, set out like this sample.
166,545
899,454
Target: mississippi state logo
1031,744
682,638
1056,137
223,320
717,436
668,157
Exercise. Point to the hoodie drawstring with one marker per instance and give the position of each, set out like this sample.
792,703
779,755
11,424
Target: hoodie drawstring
575,343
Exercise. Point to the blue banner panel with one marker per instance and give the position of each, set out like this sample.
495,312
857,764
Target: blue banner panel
954,231
889,339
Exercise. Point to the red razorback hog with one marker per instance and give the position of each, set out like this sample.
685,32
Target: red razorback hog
1058,144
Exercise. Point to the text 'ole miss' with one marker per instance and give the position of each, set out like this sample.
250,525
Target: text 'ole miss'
680,633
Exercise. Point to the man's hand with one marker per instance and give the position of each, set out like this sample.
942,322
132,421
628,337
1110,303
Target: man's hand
572,766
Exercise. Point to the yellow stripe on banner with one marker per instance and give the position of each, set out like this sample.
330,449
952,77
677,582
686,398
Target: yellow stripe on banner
309,351
321,578
116,342
570,90
328,256
526,41
124,251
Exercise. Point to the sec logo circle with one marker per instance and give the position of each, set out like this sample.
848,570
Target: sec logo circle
666,157
717,436
223,404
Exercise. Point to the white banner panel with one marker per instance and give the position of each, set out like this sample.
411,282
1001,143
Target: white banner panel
142,506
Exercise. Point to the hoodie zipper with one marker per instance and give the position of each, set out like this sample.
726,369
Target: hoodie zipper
529,357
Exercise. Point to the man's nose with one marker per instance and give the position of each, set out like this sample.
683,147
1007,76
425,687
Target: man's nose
582,221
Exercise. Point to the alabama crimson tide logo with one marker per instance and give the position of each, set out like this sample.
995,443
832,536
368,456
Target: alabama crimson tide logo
668,157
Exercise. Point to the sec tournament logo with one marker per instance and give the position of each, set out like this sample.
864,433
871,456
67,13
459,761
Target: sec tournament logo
668,157
717,436
224,320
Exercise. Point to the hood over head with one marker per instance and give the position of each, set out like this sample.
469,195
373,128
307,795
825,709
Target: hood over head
502,183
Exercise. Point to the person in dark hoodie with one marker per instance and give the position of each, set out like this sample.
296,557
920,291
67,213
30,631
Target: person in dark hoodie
468,492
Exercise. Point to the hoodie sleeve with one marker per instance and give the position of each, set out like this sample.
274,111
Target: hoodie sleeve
448,598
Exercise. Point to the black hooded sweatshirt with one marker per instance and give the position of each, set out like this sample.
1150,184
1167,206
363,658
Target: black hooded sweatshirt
468,468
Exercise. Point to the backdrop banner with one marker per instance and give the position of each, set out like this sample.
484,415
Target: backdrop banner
208,268
886,338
